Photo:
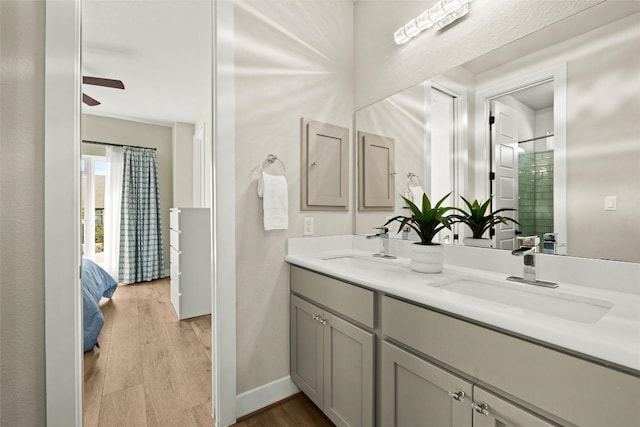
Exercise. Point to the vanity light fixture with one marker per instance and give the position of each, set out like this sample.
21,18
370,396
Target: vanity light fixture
440,14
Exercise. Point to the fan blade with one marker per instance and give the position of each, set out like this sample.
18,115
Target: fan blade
91,102
98,81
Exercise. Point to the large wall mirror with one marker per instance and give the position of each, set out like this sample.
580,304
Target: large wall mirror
548,125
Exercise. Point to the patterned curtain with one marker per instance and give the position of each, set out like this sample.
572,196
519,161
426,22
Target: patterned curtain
140,225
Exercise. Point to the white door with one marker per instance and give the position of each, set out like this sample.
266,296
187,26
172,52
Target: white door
504,137
443,132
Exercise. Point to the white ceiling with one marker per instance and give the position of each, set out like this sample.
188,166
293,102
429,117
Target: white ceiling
536,97
160,49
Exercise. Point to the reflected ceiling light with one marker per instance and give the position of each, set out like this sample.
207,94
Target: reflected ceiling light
440,14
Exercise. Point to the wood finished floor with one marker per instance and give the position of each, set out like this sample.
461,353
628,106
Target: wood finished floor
298,411
151,369
154,370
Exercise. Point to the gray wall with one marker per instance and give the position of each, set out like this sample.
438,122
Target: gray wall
403,118
182,153
603,153
293,59
22,360
383,68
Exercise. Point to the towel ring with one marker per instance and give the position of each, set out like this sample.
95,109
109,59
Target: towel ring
414,179
270,160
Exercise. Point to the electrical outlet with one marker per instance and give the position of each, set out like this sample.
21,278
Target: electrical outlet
308,226
610,203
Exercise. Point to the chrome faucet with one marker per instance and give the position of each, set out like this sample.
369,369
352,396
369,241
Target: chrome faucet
384,243
530,275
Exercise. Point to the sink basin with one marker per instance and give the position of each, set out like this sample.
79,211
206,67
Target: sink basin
550,302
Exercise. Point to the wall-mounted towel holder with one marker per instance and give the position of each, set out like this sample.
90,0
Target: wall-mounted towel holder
271,160
413,180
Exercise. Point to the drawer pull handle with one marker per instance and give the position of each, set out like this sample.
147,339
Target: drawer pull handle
481,408
458,395
319,319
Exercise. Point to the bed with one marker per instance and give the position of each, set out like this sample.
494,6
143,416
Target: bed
96,283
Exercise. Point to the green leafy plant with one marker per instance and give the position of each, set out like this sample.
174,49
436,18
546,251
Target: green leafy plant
428,221
477,218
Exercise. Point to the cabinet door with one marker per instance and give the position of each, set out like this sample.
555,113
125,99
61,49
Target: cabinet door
306,349
415,392
376,165
348,373
325,166
492,411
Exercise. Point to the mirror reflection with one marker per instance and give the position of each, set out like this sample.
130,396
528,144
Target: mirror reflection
552,132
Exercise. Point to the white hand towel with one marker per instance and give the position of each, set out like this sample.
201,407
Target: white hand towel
274,192
416,193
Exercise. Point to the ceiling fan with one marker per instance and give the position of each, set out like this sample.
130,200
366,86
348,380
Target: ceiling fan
98,81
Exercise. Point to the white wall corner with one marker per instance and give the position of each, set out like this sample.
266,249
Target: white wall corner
252,400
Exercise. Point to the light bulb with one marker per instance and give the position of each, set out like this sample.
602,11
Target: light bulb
400,36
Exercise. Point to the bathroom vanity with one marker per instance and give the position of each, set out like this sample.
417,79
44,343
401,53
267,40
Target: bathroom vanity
373,343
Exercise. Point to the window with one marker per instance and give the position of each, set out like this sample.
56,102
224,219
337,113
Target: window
94,170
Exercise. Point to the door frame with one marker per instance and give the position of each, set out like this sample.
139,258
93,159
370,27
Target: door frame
460,157
63,303
484,95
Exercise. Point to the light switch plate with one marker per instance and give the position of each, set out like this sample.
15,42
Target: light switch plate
308,226
610,203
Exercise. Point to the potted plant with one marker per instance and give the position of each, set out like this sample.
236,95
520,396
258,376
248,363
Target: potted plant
479,221
427,221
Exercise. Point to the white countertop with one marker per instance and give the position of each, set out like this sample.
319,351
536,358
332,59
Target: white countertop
613,338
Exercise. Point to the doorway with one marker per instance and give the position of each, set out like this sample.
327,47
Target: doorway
521,152
446,111
63,305
146,72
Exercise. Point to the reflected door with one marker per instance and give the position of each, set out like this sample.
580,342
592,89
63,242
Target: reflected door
442,153
504,135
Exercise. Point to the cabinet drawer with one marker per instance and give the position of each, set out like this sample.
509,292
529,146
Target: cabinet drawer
174,239
175,258
495,411
174,218
349,300
554,383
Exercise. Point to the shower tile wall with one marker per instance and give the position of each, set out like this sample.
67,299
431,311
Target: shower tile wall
535,190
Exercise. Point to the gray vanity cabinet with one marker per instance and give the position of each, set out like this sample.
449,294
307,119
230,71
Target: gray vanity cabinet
548,383
490,410
348,373
307,338
332,359
414,392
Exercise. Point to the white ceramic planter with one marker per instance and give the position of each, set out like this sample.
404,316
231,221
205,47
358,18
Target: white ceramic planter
427,258
478,243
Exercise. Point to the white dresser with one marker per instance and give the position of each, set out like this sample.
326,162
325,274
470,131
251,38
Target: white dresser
190,239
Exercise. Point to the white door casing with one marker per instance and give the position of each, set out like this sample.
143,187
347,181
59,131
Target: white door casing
63,304
504,137
508,84
459,155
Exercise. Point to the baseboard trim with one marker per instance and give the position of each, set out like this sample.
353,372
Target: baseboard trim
268,407
256,399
